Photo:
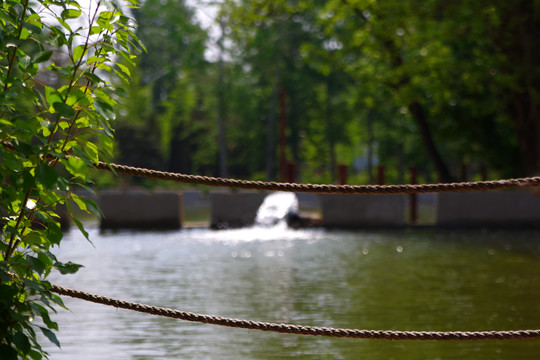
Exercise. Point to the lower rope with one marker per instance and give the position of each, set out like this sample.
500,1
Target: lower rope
300,330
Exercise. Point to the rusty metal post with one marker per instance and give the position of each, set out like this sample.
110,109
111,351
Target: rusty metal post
380,175
291,172
413,199
342,174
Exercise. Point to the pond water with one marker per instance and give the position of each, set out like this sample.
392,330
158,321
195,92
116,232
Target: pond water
401,280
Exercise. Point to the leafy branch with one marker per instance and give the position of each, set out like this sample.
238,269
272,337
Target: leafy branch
45,121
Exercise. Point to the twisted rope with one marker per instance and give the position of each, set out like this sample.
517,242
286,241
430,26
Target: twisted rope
321,188
300,330
313,188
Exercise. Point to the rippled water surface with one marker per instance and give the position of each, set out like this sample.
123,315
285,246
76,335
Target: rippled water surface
402,280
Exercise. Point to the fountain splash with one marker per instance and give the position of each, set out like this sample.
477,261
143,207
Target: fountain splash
277,209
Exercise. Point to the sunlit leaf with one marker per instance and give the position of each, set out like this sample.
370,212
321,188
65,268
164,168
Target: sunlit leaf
71,14
77,167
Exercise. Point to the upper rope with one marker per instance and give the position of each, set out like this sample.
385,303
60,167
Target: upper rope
314,188
322,188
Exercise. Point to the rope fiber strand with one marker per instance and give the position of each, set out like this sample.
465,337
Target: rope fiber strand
300,330
321,188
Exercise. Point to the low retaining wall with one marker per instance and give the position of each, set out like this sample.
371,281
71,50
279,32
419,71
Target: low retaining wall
141,210
234,209
510,208
363,210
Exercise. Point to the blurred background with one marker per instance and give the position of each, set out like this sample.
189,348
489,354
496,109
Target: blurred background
243,88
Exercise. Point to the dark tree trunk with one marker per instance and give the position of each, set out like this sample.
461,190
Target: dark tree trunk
329,130
371,140
518,41
271,134
527,121
222,140
419,116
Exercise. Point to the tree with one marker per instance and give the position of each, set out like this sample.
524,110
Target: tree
167,118
50,135
457,68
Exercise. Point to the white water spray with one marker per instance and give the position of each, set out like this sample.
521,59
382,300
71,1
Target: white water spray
276,208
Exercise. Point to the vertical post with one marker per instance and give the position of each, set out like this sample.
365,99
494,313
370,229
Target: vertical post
282,138
291,172
370,139
483,172
342,174
413,200
463,172
380,175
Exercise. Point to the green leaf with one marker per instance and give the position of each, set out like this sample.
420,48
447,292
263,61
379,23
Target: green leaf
78,52
67,268
50,335
92,152
95,30
33,238
54,232
36,264
79,201
8,353
105,110
93,78
71,14
63,109
28,181
81,228
7,293
42,56
35,355
44,315
45,259
22,342
46,175
124,69
77,167
52,96
93,207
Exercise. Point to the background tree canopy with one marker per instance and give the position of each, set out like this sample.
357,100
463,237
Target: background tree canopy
434,84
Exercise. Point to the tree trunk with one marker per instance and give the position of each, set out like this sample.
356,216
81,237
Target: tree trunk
419,116
371,140
329,131
222,142
527,121
271,134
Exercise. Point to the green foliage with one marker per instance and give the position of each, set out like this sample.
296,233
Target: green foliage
58,88
426,83
166,123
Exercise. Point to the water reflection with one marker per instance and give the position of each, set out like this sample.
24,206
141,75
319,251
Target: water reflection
406,280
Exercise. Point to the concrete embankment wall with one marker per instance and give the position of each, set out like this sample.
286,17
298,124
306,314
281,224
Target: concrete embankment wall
508,208
363,210
224,209
141,209
234,209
